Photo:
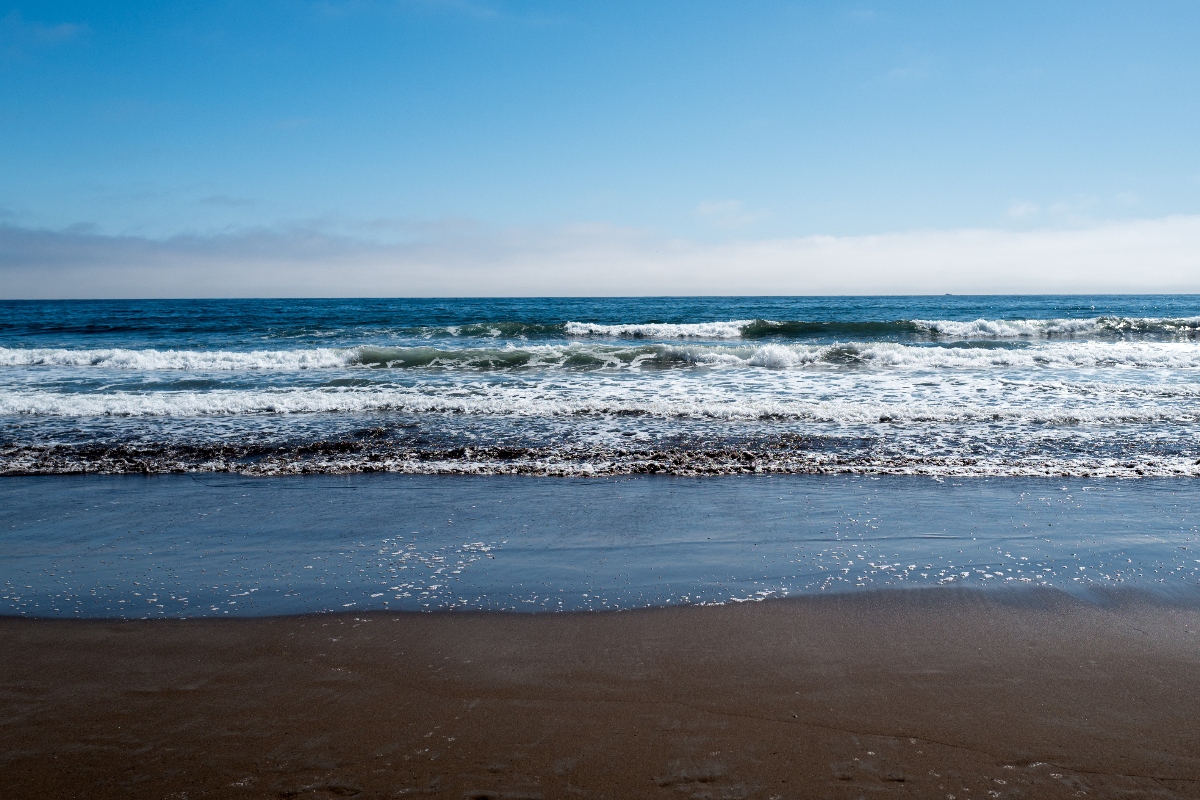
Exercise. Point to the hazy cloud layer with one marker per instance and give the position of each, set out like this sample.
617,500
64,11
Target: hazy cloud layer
1161,255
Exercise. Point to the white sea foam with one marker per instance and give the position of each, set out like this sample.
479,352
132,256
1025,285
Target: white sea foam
1086,354
1060,328
979,329
869,404
1010,329
731,329
1183,355
194,360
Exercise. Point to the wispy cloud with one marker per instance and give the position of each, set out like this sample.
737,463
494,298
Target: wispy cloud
1080,210
1022,209
728,214
1076,209
18,35
1154,255
913,67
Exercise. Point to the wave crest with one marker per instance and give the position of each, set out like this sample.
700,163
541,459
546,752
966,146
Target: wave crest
590,356
192,360
1099,327
733,329
531,401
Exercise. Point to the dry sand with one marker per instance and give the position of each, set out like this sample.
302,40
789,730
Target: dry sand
933,693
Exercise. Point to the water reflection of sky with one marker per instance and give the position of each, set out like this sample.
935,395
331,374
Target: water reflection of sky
217,545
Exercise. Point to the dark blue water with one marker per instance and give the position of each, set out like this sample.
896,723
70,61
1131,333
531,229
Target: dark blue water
243,324
949,386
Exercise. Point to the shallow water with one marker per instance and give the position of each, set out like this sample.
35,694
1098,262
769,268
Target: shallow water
213,545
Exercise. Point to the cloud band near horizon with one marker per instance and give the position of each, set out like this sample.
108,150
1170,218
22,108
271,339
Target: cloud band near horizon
1140,256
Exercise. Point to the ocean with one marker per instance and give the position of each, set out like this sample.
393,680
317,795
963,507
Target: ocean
249,457
943,386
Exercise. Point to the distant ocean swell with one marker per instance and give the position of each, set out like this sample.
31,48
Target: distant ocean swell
1108,327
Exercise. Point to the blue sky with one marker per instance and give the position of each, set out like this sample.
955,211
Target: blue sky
510,125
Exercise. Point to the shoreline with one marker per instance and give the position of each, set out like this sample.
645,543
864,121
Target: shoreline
932,693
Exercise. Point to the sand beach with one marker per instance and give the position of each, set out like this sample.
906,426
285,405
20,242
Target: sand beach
916,693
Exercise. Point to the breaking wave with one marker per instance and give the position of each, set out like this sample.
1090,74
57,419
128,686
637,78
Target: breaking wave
1102,327
1109,327
192,360
582,355
692,386
540,402
661,330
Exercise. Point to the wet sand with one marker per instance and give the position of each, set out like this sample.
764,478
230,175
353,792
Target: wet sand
929,693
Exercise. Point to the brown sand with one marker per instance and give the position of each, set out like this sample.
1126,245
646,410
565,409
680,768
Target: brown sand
922,694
